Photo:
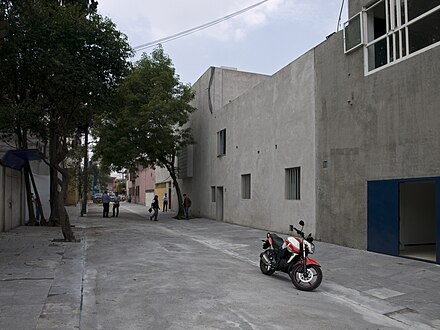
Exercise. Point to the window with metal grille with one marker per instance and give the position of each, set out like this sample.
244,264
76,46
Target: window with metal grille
246,186
293,183
395,29
221,143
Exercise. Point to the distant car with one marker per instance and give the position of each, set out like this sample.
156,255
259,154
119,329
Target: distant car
97,198
112,196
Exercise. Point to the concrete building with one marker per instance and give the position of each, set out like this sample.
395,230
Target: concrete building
344,137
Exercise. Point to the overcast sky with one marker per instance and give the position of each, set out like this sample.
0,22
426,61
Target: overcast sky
262,40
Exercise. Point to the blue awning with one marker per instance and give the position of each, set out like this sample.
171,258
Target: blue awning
16,159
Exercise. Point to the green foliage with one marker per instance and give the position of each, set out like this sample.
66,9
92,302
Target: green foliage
58,64
146,125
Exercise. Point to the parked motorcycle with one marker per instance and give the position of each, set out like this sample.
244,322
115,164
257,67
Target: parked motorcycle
291,256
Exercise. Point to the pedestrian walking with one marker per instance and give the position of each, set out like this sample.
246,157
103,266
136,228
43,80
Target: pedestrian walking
186,205
155,207
116,201
165,203
105,204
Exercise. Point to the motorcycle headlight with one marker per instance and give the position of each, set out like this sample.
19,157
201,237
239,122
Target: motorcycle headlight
310,247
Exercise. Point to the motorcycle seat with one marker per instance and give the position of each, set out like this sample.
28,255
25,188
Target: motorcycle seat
277,241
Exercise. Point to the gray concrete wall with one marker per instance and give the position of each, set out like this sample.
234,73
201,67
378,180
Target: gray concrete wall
380,126
268,129
355,6
226,86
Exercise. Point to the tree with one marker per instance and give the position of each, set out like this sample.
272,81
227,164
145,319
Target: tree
147,126
59,64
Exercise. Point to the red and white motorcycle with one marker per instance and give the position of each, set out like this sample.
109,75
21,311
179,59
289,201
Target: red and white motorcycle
291,256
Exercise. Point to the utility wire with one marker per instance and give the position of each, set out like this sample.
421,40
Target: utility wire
196,29
340,14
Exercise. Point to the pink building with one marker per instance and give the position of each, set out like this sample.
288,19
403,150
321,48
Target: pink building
141,186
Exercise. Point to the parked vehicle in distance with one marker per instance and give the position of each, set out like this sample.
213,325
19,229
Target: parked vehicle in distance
97,198
112,196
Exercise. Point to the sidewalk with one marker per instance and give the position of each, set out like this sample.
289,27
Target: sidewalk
42,282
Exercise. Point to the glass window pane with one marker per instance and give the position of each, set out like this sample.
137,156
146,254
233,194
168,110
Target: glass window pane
424,32
376,21
390,45
418,7
352,33
377,54
246,186
397,39
402,12
403,32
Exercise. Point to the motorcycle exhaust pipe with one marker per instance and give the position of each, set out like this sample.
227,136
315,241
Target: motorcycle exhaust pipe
266,260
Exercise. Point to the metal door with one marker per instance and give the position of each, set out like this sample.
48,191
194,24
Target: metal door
383,217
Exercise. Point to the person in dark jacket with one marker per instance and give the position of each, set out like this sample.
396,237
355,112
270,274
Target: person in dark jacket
186,205
155,207
116,204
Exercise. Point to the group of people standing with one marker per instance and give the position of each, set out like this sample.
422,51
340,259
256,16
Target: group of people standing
154,205
106,204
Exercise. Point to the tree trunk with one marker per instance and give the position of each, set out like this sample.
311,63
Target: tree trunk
37,198
30,202
172,171
57,153
64,216
54,212
85,177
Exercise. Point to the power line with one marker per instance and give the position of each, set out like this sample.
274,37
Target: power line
340,15
196,29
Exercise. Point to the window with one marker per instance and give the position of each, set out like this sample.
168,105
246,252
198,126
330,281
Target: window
395,29
293,183
213,194
221,143
246,186
352,33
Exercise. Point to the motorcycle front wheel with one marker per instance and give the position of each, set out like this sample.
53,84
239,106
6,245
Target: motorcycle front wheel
306,282
265,268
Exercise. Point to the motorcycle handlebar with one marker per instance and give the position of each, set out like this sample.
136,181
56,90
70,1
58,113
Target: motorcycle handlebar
299,232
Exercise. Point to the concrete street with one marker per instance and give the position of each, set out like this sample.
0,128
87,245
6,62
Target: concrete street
133,273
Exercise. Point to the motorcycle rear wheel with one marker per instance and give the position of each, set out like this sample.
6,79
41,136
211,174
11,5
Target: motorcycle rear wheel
266,269
309,281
